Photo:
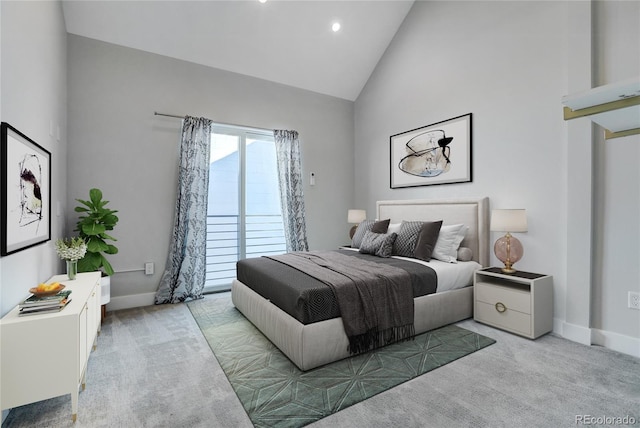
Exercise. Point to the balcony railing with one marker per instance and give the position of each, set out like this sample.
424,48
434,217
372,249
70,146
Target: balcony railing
264,235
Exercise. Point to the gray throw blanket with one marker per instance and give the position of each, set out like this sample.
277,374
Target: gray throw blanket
376,301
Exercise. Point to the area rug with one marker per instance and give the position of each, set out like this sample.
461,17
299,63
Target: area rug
275,393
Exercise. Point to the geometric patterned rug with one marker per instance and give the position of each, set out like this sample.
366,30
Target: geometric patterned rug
275,393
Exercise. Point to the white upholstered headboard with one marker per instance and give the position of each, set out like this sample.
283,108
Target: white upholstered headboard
471,212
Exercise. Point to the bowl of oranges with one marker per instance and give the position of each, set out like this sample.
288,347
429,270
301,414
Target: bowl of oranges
46,289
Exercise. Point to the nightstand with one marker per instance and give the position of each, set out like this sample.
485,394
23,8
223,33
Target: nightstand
521,303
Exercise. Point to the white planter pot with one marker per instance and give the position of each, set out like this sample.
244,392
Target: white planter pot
105,287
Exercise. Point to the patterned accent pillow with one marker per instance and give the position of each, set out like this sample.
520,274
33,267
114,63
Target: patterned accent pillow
407,237
379,244
366,226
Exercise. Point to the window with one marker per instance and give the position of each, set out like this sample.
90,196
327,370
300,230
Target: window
244,215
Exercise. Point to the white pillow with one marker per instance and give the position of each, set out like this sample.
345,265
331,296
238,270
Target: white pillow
394,228
449,240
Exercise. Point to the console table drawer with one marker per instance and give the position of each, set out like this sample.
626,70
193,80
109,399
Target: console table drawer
512,299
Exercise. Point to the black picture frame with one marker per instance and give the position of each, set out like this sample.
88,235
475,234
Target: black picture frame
439,153
25,199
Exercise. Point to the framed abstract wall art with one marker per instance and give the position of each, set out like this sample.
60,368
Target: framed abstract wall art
26,192
439,153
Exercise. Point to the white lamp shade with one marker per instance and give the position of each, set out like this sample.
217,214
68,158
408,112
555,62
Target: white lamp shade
508,220
356,216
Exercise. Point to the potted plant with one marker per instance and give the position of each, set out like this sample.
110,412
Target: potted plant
94,222
71,250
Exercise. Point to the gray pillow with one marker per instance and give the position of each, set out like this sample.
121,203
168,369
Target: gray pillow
381,226
407,237
379,244
364,227
427,239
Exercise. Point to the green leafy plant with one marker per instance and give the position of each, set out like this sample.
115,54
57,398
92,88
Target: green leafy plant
94,222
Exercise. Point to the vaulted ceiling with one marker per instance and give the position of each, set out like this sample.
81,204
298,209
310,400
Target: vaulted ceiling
289,42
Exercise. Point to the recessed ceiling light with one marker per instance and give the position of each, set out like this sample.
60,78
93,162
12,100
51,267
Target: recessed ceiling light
335,27
262,1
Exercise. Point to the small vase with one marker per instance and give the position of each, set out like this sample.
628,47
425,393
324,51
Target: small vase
72,269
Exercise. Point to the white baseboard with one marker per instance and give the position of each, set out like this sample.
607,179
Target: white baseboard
131,301
618,342
139,300
576,333
592,336
557,326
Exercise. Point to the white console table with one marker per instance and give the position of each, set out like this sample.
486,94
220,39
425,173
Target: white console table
45,356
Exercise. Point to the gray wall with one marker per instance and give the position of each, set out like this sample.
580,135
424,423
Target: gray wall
119,146
484,58
33,93
616,177
510,63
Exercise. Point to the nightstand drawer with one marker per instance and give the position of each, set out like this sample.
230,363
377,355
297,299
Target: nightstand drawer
510,319
513,299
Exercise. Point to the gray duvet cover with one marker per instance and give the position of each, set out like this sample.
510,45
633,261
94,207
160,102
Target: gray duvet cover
309,300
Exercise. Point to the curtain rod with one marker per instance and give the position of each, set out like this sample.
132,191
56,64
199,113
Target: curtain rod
217,123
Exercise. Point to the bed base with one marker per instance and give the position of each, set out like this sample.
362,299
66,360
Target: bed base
313,345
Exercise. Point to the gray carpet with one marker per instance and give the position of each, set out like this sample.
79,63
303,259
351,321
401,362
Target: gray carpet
154,368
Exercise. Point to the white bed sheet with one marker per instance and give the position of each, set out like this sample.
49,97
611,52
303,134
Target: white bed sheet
451,276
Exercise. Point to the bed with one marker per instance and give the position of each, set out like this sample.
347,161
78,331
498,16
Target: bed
317,343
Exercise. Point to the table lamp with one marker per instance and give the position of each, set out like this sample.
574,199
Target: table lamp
508,249
355,217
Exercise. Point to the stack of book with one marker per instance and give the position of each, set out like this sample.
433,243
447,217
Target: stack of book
33,305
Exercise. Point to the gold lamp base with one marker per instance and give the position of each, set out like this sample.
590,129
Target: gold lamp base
352,231
508,269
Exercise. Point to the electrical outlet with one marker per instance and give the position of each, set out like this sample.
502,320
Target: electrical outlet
634,300
148,268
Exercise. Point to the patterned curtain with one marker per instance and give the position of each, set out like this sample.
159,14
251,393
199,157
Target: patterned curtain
291,194
184,275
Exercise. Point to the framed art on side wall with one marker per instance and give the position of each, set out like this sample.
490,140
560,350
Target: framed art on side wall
26,192
439,153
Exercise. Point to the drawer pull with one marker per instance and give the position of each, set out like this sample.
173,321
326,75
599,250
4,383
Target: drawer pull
500,307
